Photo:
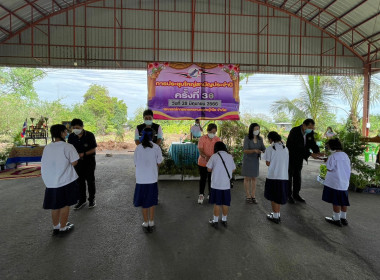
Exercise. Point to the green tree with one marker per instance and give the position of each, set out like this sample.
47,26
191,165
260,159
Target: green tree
313,102
20,81
107,114
350,90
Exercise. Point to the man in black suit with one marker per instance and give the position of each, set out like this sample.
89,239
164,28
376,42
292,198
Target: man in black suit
300,142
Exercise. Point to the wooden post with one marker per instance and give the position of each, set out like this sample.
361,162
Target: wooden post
366,94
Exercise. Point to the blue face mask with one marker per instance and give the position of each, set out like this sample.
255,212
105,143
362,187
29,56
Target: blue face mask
308,130
67,137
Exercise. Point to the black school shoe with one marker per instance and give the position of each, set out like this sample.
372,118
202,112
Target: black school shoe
334,222
146,229
299,198
224,223
55,232
69,228
80,205
273,219
213,224
344,222
92,204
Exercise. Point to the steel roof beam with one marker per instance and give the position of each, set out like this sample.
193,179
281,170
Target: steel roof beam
283,4
302,6
357,25
344,14
311,23
366,39
12,13
31,4
323,9
55,2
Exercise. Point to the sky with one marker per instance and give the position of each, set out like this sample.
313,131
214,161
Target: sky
256,96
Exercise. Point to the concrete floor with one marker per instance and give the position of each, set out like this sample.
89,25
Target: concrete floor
108,242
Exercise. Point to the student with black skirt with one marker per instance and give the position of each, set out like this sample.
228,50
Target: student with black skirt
147,158
221,165
335,189
276,184
58,173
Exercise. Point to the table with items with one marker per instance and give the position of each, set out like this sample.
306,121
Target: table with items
25,154
184,153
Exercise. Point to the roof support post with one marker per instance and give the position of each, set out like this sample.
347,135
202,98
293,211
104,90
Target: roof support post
366,96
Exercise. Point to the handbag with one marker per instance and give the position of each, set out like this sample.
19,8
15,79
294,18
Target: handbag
229,177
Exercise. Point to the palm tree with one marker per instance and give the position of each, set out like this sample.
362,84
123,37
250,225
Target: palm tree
313,102
350,90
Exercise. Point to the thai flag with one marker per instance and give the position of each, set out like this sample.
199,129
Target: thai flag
23,129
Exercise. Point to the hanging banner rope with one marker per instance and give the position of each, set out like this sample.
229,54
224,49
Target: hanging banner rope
183,91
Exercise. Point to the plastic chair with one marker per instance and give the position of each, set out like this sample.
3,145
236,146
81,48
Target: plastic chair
374,152
366,156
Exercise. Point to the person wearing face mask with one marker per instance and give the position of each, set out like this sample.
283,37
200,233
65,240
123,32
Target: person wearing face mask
196,130
85,143
58,173
299,143
148,122
206,150
253,147
329,133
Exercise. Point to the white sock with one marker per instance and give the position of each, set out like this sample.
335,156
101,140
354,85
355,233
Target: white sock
145,224
216,218
343,215
276,215
224,218
336,216
57,226
62,229
151,223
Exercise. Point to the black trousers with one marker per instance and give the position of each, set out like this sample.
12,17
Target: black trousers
205,176
86,172
294,180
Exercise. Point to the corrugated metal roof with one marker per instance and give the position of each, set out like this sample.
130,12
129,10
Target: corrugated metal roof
285,36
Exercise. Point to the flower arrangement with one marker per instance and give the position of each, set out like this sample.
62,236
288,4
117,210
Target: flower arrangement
231,69
155,68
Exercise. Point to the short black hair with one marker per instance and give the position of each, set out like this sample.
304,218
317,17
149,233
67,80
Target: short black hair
220,146
147,137
335,144
56,131
274,136
148,112
309,121
211,126
76,122
196,120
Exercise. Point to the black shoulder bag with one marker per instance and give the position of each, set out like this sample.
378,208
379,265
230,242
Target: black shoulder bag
229,177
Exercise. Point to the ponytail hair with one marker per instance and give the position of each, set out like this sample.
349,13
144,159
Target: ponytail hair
146,137
275,137
56,131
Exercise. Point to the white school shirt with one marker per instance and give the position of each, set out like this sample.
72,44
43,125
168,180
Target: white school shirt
339,176
56,168
219,177
146,160
279,162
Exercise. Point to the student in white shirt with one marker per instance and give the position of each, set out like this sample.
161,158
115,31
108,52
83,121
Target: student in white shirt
337,180
58,173
276,184
147,157
221,173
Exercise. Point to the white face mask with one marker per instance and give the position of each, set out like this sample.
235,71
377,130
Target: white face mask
211,135
148,122
256,132
77,131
